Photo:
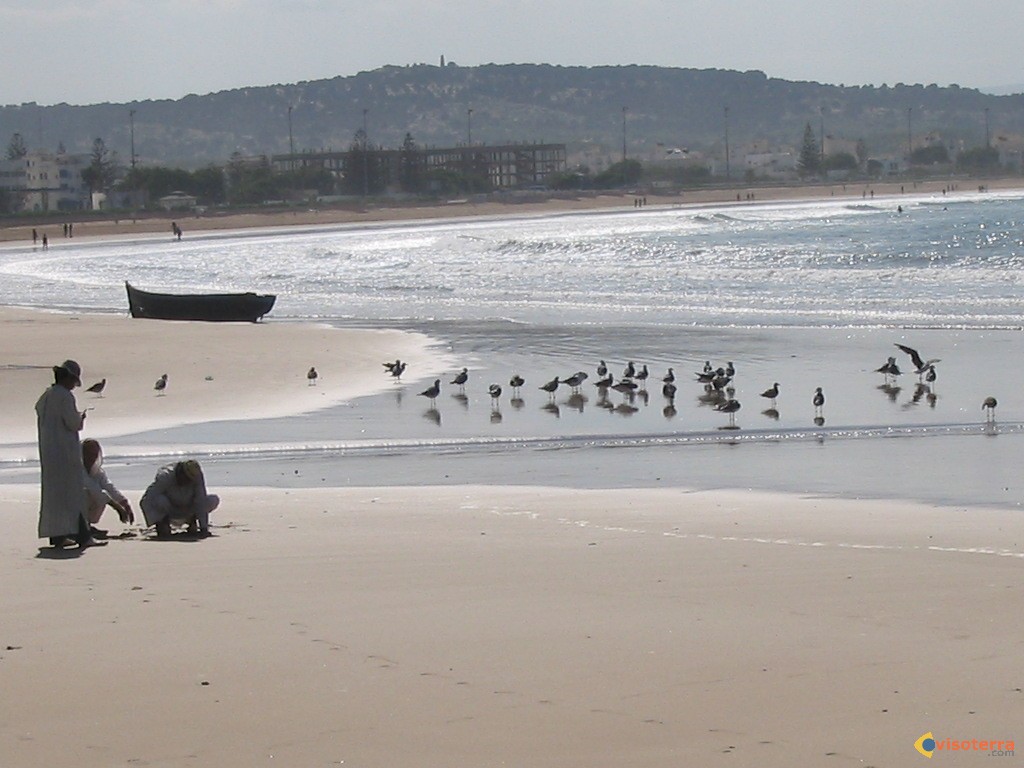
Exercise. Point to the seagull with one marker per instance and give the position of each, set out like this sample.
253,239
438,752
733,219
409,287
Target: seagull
707,366
920,365
398,369
551,386
461,378
772,392
516,382
990,406
730,370
630,371
626,386
730,407
930,376
391,366
602,369
642,375
433,391
819,401
161,384
495,392
312,375
669,390
604,383
889,369
575,380
97,388
669,377
708,376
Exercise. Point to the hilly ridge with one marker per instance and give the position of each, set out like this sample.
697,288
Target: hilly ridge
579,106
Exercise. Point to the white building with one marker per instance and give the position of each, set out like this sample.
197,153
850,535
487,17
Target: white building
44,181
771,165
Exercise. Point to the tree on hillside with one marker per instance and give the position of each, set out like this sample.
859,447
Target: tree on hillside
809,163
16,148
101,172
410,166
862,152
978,160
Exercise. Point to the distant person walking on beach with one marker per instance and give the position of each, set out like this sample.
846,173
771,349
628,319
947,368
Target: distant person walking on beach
100,492
175,230
46,243
35,236
62,505
177,496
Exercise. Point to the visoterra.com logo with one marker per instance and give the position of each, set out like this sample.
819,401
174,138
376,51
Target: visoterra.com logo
928,745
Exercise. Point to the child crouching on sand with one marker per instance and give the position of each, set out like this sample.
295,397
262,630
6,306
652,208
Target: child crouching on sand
177,496
99,491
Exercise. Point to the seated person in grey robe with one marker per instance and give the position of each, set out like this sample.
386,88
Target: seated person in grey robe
100,493
177,496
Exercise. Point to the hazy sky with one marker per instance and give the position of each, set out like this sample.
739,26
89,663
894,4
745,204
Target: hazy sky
89,51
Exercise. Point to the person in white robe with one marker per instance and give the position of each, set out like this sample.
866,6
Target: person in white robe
178,496
62,474
99,491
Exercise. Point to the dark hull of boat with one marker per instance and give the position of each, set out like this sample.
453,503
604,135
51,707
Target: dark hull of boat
209,307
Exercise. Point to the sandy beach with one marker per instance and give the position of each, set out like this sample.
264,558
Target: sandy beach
479,624
533,205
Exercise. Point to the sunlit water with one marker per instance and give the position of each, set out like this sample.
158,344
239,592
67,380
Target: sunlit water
806,294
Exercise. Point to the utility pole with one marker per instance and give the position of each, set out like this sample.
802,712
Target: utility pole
623,141
366,162
131,123
988,136
291,142
469,127
910,134
821,133
728,175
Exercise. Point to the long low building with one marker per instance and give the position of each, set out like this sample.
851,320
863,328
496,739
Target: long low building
501,166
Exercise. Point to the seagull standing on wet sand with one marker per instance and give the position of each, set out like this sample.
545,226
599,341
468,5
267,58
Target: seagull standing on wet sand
97,388
551,386
433,391
161,384
819,401
602,369
461,378
771,393
730,407
669,377
642,375
575,380
311,376
990,407
890,369
516,382
495,392
630,371
398,369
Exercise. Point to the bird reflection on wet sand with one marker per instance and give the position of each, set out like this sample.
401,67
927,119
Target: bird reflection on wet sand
434,415
552,408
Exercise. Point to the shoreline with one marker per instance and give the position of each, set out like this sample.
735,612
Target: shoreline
156,223
211,367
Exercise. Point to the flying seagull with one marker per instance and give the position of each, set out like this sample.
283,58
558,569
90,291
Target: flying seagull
920,365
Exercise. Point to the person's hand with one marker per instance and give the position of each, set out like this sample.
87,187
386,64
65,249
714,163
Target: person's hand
125,514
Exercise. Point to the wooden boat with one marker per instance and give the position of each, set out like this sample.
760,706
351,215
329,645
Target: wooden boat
211,307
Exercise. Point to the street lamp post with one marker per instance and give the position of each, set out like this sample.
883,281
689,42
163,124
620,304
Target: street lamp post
131,124
988,136
469,127
910,134
291,141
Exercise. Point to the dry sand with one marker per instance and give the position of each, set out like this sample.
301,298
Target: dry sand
484,626
533,205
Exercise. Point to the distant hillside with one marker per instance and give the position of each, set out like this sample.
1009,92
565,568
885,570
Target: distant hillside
578,106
